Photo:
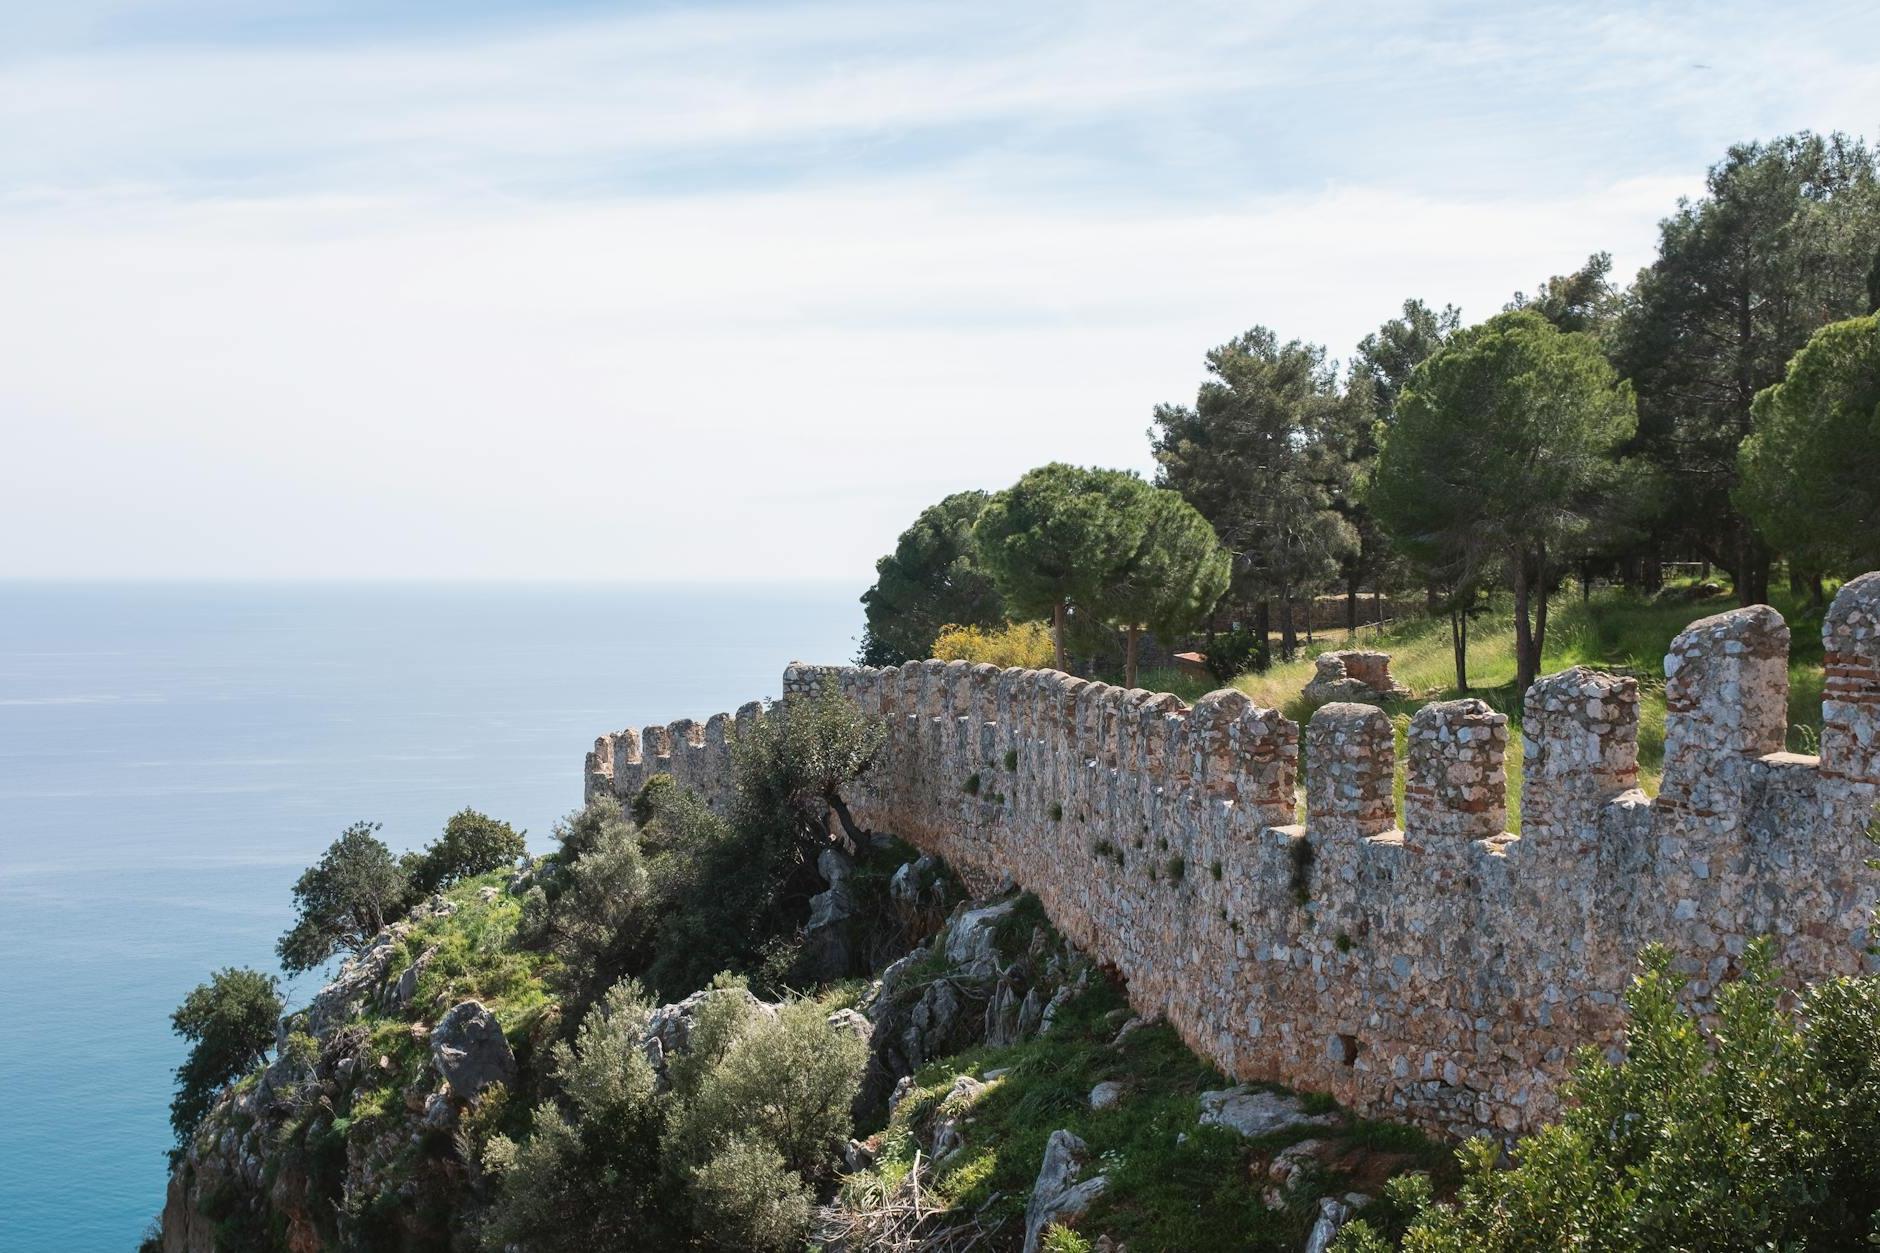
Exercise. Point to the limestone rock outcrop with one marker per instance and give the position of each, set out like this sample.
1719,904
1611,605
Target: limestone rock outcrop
469,1049
1062,1191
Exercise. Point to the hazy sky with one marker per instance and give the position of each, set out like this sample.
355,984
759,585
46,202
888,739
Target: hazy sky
719,291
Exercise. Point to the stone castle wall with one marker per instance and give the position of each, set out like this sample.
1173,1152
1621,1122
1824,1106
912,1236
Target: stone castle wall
1442,971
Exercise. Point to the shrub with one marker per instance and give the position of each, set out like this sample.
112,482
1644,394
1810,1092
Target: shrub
229,1022
971,786
646,801
788,1080
344,899
1233,653
587,1174
728,1152
745,1197
472,844
1757,1135
1061,1239
581,830
730,894
1026,644
593,913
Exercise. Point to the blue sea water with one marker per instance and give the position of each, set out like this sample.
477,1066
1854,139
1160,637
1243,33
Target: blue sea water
172,755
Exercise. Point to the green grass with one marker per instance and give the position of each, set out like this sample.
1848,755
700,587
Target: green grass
1174,1184
1612,631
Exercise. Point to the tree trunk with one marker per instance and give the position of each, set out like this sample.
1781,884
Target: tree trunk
1523,626
1057,636
1817,593
841,810
1459,643
1351,605
1263,631
1541,584
1753,578
1132,634
1288,629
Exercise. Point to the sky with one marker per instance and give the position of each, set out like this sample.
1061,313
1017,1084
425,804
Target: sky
472,289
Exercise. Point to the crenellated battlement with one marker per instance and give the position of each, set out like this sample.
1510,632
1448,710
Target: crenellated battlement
1442,970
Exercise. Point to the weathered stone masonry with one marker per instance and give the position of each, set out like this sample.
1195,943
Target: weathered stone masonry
1443,972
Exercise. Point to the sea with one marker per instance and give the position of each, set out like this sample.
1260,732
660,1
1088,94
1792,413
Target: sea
173,755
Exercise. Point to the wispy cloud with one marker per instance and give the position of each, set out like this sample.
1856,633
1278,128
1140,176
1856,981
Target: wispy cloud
734,291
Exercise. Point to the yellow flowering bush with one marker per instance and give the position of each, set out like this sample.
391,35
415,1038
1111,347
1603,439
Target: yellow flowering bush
1025,644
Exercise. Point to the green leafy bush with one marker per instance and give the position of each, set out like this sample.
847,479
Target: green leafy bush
586,1176
1757,1135
646,801
592,912
472,844
728,1153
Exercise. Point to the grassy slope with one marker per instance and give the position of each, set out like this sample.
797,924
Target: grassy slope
1174,1183
1612,631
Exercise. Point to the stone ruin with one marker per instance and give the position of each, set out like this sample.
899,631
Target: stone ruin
1353,675
1442,969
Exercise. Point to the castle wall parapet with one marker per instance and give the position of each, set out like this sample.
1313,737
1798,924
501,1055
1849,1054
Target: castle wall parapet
1442,971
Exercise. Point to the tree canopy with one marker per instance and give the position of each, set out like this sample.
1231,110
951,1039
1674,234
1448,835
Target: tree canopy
472,844
229,1022
1178,575
1265,454
932,579
1811,468
1505,446
1060,537
344,899
1782,243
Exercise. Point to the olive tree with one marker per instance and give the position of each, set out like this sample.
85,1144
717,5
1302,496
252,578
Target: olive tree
472,844
229,1022
344,899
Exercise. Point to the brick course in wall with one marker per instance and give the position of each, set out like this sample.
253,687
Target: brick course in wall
1441,973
